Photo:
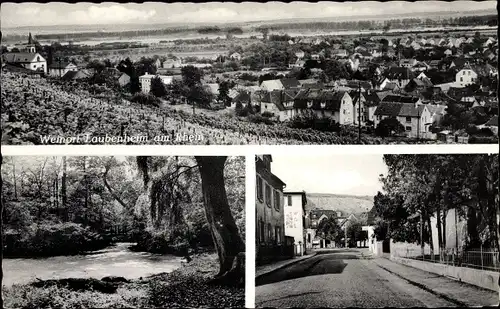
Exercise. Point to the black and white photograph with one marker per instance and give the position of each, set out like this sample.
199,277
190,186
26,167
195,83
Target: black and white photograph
123,232
266,73
377,230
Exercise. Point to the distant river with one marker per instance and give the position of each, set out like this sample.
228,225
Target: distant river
116,260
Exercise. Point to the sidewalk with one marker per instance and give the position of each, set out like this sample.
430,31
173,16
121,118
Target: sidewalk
265,269
460,293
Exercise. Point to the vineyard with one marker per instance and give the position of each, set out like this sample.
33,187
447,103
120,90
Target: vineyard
33,107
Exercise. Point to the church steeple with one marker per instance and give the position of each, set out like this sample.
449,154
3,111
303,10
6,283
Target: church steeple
30,47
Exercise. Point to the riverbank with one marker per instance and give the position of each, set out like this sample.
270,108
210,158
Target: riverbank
187,286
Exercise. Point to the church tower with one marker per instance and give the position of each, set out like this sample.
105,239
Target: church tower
30,47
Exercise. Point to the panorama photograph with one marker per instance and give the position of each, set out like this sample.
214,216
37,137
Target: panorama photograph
123,232
377,231
268,73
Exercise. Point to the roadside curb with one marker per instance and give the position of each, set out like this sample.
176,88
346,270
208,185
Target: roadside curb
285,265
426,288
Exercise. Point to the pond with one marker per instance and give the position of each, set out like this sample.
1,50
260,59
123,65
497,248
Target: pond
116,260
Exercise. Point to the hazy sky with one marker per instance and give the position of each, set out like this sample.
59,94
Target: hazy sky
56,13
339,174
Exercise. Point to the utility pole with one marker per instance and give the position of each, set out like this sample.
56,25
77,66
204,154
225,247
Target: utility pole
359,112
418,124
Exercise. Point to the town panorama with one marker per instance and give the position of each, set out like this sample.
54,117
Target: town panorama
427,76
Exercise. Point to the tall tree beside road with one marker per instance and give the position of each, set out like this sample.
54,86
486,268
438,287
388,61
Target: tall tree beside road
330,229
430,185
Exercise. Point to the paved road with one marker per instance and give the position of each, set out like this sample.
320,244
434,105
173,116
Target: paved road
340,278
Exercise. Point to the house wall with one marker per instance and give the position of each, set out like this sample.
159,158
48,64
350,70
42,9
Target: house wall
345,113
287,114
294,217
60,72
370,113
268,217
34,66
145,84
363,112
310,236
416,127
451,233
466,77
269,107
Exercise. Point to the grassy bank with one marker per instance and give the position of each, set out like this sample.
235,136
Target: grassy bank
188,286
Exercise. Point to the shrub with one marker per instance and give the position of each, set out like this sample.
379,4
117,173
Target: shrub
259,119
388,126
54,239
267,114
146,99
311,121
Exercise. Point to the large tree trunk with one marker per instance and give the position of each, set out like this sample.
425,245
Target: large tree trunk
63,190
222,225
472,232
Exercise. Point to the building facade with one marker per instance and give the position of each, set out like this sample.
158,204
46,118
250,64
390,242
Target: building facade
270,217
295,211
145,81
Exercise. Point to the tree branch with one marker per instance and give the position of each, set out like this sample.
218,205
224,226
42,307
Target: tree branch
108,186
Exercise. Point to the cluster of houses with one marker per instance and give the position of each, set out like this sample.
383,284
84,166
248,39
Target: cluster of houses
284,226
414,92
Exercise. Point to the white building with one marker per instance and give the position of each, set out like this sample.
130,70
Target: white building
295,203
466,77
28,58
145,81
59,69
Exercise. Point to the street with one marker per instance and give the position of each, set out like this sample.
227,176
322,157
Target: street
342,278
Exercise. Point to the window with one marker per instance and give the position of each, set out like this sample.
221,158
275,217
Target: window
269,232
309,238
408,119
268,195
461,79
261,231
37,58
468,73
277,198
289,200
277,234
408,128
259,189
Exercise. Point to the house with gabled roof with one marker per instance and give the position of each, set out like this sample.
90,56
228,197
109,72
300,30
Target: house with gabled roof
58,69
325,103
399,75
415,118
27,58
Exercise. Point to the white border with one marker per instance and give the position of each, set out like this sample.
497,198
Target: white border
250,232
236,150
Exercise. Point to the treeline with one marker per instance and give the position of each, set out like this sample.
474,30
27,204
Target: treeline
486,20
420,187
64,206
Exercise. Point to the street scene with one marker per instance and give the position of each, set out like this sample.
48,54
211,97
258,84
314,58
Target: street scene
272,73
385,231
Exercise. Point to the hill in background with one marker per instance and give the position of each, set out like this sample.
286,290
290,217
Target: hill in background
347,204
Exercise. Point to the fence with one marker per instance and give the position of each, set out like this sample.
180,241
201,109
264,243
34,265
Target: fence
478,259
